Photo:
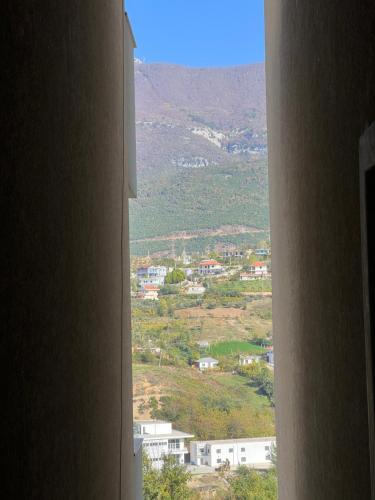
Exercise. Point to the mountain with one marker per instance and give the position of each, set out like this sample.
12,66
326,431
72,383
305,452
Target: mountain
201,153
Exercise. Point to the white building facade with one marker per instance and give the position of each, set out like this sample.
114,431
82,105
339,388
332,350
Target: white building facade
206,363
210,267
160,440
258,269
254,452
195,289
248,360
152,275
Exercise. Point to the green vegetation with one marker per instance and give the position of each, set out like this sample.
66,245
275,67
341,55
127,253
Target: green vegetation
248,484
197,244
208,405
182,199
260,377
175,276
235,347
230,286
170,483
176,322
234,317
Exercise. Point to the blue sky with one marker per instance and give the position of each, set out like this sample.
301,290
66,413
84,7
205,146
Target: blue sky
198,32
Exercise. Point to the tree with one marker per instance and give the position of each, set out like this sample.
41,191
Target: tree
151,480
169,483
174,479
153,405
174,277
162,307
249,484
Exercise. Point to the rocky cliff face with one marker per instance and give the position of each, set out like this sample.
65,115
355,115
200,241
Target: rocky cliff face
195,117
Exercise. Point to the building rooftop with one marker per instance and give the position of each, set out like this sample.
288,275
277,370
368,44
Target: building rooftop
151,421
151,288
241,440
209,262
207,360
173,434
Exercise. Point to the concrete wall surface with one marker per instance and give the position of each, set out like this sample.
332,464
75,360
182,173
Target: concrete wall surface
321,96
62,253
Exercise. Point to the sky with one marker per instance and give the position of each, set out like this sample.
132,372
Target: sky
198,32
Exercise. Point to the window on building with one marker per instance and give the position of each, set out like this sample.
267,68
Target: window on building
218,450
218,461
243,459
242,449
267,448
230,450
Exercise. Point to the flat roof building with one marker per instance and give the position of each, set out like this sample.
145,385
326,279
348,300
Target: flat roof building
160,439
255,452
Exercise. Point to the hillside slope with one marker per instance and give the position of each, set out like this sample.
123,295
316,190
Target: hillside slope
201,148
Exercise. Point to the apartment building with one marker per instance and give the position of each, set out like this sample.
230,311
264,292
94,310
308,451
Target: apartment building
254,452
152,275
160,439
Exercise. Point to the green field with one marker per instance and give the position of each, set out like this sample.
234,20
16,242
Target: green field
261,285
235,347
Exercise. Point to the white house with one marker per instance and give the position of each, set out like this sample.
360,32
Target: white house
239,254
150,292
195,289
204,344
262,252
160,439
248,360
206,363
258,269
210,266
152,275
255,452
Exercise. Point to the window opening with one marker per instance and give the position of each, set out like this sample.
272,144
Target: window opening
201,258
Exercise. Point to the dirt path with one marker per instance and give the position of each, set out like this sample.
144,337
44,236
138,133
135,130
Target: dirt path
189,235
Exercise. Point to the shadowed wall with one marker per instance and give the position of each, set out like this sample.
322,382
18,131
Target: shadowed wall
61,253
320,91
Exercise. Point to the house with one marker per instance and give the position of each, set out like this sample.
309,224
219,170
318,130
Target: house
262,252
152,275
209,266
203,344
258,269
237,254
254,452
195,289
150,292
160,439
248,360
206,363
